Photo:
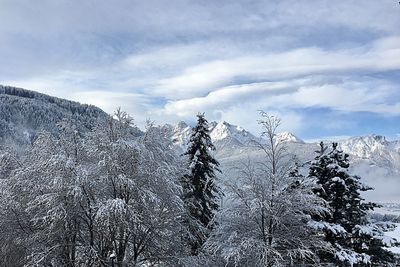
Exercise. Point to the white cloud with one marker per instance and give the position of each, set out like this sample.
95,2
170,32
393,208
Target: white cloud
196,80
227,96
336,93
349,96
132,103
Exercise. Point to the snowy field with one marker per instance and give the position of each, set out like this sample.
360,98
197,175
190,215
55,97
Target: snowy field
391,209
395,234
388,210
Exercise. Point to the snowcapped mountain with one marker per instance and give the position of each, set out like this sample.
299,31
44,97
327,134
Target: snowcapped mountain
181,133
365,146
372,157
223,133
288,137
222,130
395,145
374,149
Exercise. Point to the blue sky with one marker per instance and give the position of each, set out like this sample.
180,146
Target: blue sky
327,68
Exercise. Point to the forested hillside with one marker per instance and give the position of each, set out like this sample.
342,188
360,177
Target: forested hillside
24,113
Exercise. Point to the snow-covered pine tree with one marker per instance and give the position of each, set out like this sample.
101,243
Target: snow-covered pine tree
200,191
355,241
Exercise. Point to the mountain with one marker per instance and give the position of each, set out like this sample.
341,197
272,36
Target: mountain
374,158
365,146
221,133
374,149
181,133
24,113
223,130
288,137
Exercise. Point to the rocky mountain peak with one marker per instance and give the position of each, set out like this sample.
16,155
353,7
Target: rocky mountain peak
288,137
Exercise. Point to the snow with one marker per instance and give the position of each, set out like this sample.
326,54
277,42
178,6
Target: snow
388,210
366,229
351,257
394,234
364,146
224,130
117,208
288,137
334,228
181,133
339,180
380,170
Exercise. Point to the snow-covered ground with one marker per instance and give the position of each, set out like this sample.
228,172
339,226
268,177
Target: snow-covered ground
395,234
388,210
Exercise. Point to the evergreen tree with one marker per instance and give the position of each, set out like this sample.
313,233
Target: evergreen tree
355,241
200,192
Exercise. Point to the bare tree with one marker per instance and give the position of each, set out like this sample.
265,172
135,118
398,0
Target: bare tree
265,220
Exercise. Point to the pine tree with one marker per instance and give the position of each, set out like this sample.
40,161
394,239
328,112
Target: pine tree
355,241
200,191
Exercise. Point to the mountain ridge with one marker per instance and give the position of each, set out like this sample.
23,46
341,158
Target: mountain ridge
362,146
24,113
229,139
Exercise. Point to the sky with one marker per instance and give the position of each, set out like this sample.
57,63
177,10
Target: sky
328,69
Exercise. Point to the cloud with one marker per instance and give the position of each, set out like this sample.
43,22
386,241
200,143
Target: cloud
133,103
207,16
384,55
347,94
227,96
384,182
71,34
333,92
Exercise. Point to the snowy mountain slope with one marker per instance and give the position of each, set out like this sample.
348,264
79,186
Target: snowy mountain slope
288,137
224,135
222,130
24,113
373,149
395,145
364,146
219,132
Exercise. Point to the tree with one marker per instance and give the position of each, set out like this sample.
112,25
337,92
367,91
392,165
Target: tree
8,161
355,241
265,218
200,192
138,203
74,200
11,221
